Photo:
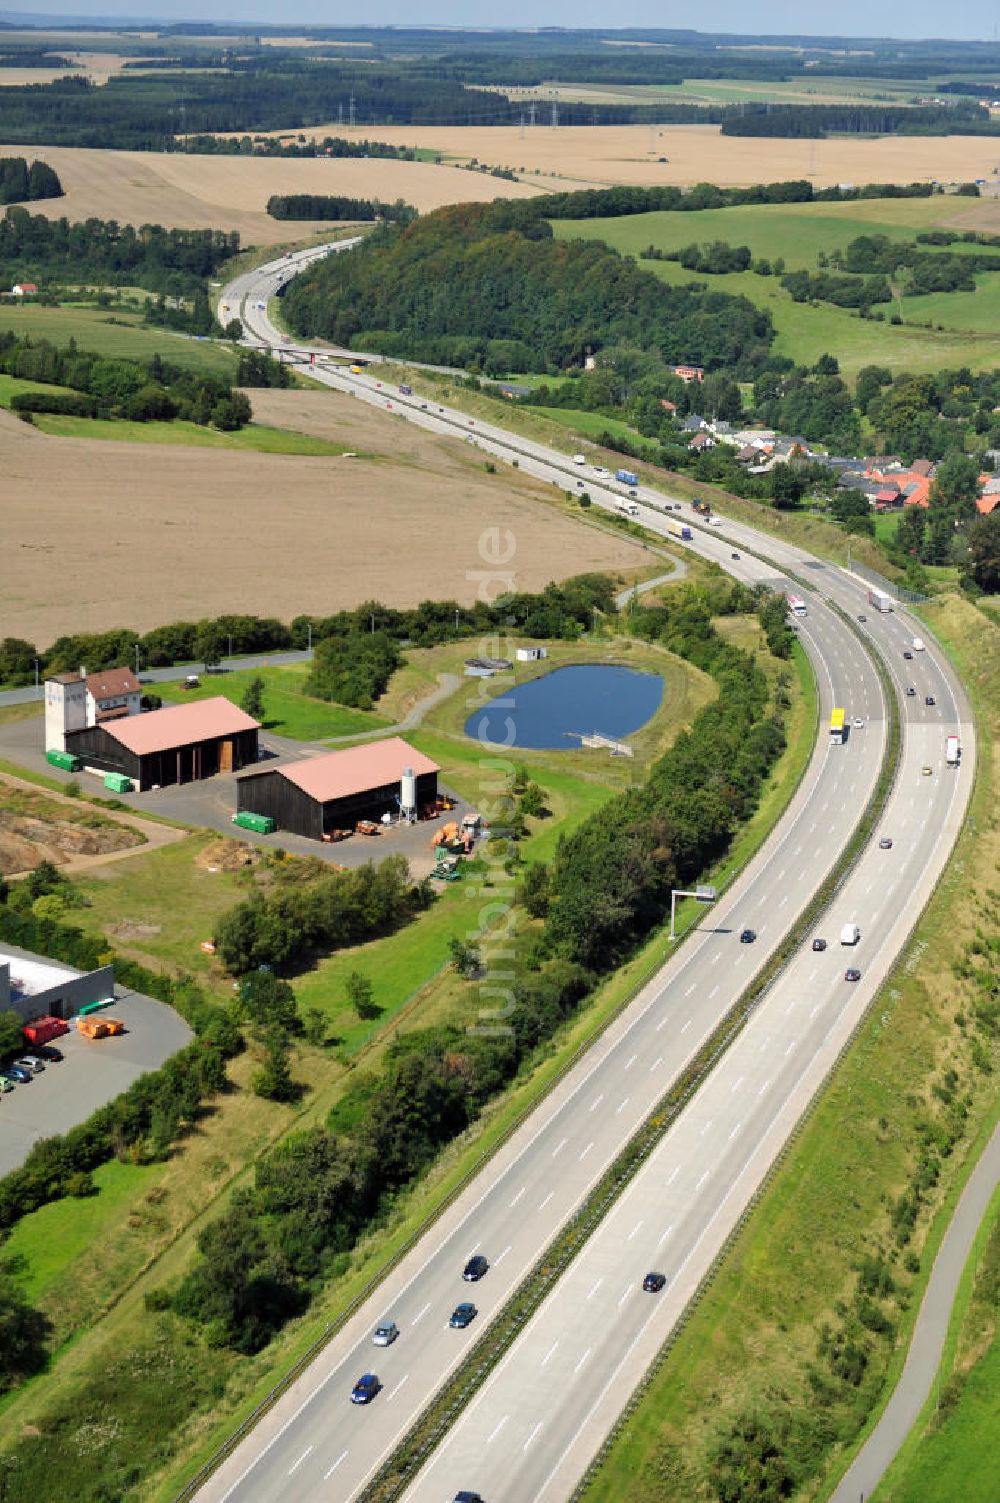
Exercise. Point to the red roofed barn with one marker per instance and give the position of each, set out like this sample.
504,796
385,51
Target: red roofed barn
332,792
178,744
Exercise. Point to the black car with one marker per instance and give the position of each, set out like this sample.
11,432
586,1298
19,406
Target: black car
49,1052
748,936
910,692
852,974
365,1389
734,555
908,655
654,1282
819,944
929,699
463,1315
475,1269
464,1497
862,618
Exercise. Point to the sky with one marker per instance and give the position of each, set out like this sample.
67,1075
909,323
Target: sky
894,18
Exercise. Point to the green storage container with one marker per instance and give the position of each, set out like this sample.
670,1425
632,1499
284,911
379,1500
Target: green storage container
261,824
117,782
63,759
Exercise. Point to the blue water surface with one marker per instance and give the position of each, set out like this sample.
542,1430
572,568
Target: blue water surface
582,699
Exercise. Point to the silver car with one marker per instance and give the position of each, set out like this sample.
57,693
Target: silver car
385,1333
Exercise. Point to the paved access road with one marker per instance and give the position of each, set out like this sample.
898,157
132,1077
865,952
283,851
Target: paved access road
175,672
549,1403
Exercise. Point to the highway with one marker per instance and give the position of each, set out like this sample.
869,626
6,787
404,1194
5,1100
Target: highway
532,1430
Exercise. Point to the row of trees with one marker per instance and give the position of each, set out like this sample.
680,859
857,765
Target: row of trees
19,182
333,206
102,387
280,146
489,284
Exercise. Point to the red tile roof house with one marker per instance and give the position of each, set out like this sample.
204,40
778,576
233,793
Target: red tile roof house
24,289
702,441
178,744
688,373
315,795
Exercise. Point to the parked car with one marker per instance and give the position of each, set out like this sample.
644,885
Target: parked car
852,974
463,1315
6,1084
32,1062
885,844
365,1389
747,936
654,1282
385,1333
819,944
18,1073
475,1269
49,1052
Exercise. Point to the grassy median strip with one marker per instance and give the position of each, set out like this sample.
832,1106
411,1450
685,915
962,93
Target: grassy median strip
398,1472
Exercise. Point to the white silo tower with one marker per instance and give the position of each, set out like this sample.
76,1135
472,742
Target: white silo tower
408,796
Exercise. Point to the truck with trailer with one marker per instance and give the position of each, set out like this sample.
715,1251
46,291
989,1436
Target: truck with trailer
796,605
837,728
680,530
627,477
880,600
952,751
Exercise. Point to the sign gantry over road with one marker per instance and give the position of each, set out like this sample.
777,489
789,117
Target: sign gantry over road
702,894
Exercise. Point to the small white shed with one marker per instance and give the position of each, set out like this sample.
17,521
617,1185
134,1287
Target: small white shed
531,654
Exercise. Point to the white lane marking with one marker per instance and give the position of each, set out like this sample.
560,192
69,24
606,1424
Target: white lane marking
783,901
735,1131
595,1287
533,1434
666,1234
418,1318
657,1062
736,1086
581,1361
559,1147
705,1129
549,1354
517,1197
296,1464
620,1109
631,1061
702,1180
712,992
397,1388
715,958
342,1457
500,1256
597,1102
546,1200
791,1046
637,1228
813,973
689,990
816,1009
674,1173
661,1024
496,1431
687,1025
587,1149
625,1296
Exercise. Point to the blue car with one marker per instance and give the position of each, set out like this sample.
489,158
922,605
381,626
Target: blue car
365,1389
18,1073
463,1315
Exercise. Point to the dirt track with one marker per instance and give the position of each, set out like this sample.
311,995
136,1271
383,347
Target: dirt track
96,534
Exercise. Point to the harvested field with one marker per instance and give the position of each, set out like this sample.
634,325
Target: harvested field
700,154
160,534
231,193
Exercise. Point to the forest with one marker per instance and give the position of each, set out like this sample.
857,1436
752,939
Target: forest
331,206
488,286
96,250
20,183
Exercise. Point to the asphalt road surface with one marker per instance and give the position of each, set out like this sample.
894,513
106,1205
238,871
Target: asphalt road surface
544,1411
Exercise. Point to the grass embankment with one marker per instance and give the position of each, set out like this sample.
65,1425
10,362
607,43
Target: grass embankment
121,335
288,709
951,1452
174,1400
963,325
779,1329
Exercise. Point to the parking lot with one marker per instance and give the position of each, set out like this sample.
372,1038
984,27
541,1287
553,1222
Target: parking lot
92,1072
210,804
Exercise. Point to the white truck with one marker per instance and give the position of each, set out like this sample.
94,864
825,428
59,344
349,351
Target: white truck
880,600
952,751
850,934
918,644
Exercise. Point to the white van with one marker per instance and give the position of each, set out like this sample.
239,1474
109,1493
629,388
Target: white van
850,934
579,459
918,644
